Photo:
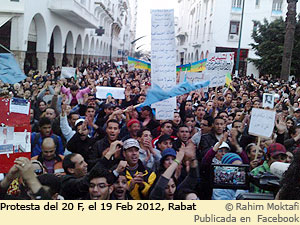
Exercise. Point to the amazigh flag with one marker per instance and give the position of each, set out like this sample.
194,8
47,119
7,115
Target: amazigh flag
228,80
156,94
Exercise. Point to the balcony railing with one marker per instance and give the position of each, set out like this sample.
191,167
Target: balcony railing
74,12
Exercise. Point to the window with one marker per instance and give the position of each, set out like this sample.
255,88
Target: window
277,5
234,27
236,3
257,3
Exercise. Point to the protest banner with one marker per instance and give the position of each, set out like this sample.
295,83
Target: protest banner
218,65
163,58
14,132
68,72
104,92
138,64
262,122
198,66
10,71
268,100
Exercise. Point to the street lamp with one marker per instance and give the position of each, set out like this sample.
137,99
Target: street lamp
240,40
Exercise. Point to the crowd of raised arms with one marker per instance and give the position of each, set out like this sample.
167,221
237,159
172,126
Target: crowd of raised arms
83,147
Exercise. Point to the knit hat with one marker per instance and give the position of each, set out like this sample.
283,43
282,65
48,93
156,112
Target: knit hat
229,158
132,121
276,149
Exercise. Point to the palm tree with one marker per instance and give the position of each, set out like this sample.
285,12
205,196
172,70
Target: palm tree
288,39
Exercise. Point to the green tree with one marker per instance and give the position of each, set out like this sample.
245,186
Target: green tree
268,45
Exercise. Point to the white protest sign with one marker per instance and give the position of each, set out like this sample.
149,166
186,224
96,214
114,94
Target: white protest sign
268,100
193,78
104,92
163,58
67,72
262,122
217,66
19,105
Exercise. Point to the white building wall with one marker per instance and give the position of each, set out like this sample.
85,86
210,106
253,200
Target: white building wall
214,20
82,40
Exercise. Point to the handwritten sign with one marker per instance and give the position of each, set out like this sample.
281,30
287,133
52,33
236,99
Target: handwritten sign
68,72
163,58
104,92
262,122
268,100
218,65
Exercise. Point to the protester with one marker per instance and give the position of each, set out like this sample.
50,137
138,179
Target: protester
66,115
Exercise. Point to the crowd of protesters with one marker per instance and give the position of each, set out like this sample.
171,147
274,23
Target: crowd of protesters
88,148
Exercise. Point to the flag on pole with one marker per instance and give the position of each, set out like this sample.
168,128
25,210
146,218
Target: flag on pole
156,94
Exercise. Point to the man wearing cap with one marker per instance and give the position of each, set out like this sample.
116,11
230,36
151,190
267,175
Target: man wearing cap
139,179
165,128
165,141
276,153
133,127
80,142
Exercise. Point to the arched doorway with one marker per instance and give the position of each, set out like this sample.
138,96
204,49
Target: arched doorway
69,50
36,42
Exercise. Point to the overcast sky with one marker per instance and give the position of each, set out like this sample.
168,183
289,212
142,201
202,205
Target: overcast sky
144,19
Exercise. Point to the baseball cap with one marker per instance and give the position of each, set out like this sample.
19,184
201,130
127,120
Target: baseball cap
276,149
130,143
168,152
223,145
79,122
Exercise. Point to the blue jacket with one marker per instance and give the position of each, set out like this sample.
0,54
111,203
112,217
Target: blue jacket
36,144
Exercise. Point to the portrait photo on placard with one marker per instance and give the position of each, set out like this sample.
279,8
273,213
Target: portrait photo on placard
268,100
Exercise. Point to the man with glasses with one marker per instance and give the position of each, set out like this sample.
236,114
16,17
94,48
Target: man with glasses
100,184
276,153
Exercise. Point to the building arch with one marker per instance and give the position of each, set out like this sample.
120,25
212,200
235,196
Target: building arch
206,54
86,45
92,46
197,55
202,55
78,47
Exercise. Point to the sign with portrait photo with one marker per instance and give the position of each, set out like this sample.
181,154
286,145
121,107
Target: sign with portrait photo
268,100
